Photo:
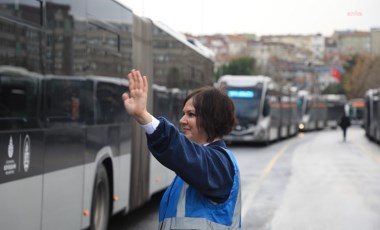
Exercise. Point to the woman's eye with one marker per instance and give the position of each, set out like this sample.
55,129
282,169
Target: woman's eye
189,114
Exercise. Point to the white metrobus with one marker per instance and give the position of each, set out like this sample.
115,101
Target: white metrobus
264,111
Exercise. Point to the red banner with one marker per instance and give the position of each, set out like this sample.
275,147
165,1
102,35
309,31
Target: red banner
336,74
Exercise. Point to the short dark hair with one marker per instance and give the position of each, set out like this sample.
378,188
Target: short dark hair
215,111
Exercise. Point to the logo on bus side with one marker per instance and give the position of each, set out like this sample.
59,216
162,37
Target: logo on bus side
10,148
10,164
26,153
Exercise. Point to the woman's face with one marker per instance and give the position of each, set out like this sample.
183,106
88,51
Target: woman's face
189,124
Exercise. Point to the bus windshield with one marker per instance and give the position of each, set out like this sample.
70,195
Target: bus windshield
356,109
300,105
247,104
335,111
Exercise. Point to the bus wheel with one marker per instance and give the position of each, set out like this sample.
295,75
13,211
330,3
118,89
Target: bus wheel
100,206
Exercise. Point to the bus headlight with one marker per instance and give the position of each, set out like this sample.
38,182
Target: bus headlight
301,126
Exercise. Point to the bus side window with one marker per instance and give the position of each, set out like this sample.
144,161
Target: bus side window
121,114
19,95
63,101
108,103
309,104
266,108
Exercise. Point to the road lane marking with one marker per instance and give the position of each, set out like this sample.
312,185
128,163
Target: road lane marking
249,199
366,151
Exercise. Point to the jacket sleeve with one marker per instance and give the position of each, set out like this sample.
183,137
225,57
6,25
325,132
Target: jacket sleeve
207,168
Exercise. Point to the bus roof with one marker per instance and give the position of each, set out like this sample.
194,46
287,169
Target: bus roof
202,50
335,97
19,71
243,80
357,103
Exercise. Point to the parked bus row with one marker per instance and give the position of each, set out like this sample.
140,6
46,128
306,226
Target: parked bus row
266,112
372,115
325,111
70,155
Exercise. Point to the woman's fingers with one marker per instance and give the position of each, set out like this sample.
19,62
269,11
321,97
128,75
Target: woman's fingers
145,84
138,84
131,83
125,96
141,82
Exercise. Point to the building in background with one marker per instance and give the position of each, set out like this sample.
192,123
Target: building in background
310,62
352,42
313,43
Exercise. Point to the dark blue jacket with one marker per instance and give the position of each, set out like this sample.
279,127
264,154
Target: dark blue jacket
206,168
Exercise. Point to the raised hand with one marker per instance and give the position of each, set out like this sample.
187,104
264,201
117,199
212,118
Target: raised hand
136,102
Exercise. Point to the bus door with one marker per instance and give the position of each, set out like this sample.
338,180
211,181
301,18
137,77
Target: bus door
275,116
64,153
285,116
311,111
376,115
21,149
368,113
321,113
294,115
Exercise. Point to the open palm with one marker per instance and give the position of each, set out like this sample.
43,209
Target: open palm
135,103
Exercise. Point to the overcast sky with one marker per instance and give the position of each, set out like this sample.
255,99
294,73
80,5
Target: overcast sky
265,17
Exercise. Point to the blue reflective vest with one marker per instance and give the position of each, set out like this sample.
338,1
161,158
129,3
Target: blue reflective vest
184,207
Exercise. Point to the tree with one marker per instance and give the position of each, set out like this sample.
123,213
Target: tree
239,66
362,73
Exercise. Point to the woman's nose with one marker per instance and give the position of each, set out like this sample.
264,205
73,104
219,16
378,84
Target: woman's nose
182,120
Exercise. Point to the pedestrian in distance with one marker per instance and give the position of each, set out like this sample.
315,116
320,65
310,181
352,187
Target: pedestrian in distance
344,123
206,191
